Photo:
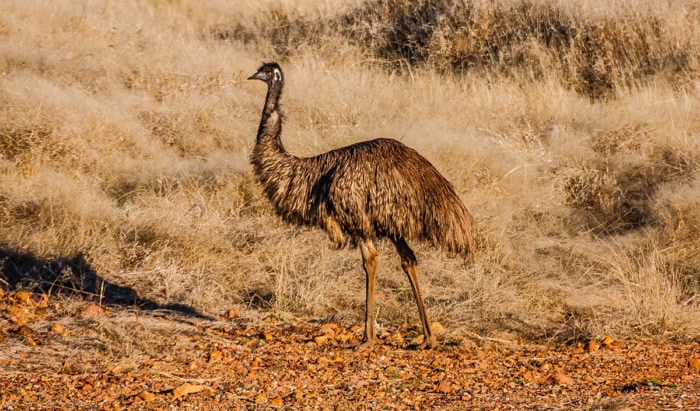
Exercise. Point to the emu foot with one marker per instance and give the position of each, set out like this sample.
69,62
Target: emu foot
362,345
428,343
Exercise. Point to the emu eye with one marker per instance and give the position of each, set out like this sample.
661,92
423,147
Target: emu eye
268,73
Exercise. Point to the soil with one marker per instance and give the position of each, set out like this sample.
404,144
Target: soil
79,355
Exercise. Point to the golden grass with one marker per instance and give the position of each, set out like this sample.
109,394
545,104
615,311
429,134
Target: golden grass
125,130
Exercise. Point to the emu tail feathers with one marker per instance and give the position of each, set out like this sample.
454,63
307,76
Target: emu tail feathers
456,230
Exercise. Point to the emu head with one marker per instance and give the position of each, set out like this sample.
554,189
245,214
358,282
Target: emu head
269,73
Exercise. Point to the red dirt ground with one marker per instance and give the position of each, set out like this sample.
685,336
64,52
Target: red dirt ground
79,356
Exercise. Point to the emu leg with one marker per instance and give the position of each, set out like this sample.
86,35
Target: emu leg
370,262
410,267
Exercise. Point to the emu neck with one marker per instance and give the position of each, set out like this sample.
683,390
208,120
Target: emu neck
269,158
270,128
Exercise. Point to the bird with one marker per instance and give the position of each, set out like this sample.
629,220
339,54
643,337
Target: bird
359,194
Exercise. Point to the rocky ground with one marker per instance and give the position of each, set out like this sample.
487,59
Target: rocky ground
75,354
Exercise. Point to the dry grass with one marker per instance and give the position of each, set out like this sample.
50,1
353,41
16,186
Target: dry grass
596,48
571,132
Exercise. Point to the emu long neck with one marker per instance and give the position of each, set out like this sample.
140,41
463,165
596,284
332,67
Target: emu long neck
273,166
282,175
270,129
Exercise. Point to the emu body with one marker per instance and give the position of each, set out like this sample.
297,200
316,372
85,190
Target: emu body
366,191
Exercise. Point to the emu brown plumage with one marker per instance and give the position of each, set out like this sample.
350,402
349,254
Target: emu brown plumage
365,191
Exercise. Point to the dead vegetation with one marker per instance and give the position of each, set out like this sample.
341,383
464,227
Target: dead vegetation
571,131
594,48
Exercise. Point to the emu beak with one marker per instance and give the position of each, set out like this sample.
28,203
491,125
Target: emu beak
256,76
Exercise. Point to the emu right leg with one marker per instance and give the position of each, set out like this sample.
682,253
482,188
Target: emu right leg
410,267
370,261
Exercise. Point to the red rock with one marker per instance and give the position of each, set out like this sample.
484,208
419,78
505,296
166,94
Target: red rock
232,313
694,363
445,387
562,379
593,345
93,311
187,389
22,297
437,328
146,396
215,356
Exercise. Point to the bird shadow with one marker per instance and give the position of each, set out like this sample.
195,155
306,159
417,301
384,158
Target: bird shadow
73,275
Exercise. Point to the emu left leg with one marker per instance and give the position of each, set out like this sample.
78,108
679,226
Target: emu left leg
410,267
370,261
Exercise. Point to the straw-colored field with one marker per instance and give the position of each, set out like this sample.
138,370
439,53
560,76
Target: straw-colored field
571,132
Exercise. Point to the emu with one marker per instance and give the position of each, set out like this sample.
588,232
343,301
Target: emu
363,192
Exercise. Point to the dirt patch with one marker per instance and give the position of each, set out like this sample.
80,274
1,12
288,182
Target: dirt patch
56,354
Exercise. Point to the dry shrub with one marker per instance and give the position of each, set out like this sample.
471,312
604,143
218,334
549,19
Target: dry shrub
644,295
679,213
595,54
17,143
396,31
615,194
619,141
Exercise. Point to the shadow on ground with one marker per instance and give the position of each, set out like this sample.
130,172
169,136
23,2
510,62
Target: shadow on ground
73,276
